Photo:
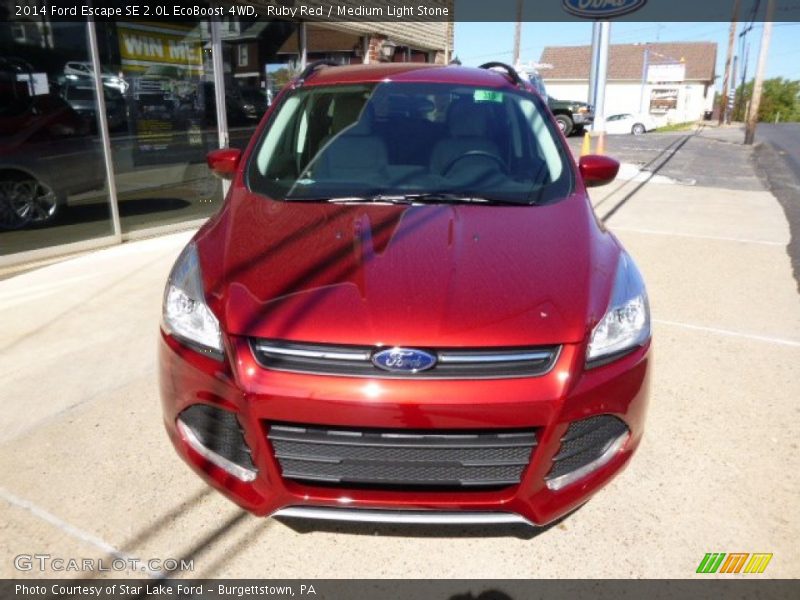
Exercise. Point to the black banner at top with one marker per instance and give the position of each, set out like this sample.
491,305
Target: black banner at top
402,10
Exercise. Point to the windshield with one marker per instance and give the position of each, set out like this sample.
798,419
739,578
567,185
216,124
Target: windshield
410,140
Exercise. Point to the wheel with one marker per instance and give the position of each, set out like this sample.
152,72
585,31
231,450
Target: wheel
638,129
564,124
12,207
471,154
26,201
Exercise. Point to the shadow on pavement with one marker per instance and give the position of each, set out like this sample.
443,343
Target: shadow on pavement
670,152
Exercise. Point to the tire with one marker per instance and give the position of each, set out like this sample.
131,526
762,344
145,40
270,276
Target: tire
24,200
638,129
565,124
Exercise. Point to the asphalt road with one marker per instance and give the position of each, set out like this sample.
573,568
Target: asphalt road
785,138
777,160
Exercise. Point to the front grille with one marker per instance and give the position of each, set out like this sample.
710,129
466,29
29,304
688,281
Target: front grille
219,431
451,363
401,457
584,442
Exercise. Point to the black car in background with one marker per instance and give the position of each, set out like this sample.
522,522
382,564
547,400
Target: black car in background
79,92
47,152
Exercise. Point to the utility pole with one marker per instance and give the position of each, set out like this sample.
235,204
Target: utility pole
600,60
723,100
517,34
758,84
593,65
645,69
732,93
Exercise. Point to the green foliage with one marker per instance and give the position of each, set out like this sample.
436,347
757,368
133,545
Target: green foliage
779,97
677,127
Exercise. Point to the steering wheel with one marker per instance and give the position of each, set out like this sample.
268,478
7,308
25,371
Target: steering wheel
471,153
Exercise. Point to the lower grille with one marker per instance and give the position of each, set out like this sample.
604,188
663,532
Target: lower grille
218,431
401,457
585,442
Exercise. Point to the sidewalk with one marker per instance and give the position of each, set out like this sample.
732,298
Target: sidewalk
88,471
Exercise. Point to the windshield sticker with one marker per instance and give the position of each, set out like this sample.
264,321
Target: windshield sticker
487,96
305,182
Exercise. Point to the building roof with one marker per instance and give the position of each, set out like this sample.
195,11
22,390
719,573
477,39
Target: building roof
626,61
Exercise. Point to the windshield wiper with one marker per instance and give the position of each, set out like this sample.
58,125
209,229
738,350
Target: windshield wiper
456,198
417,198
377,198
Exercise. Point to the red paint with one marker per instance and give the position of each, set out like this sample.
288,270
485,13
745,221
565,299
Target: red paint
223,162
597,169
427,276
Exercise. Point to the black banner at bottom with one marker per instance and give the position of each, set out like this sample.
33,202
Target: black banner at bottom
389,589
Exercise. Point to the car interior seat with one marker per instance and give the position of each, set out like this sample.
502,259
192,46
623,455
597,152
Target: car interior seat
468,129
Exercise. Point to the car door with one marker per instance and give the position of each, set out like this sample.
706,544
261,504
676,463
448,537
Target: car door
613,124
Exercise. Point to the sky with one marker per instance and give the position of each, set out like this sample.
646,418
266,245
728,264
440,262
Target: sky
476,43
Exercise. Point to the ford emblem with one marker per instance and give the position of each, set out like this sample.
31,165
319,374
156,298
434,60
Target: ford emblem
405,360
601,9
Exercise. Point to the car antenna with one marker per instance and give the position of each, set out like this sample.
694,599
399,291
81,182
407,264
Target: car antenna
510,71
313,68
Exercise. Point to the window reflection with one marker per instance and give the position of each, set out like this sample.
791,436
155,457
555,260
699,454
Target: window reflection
52,180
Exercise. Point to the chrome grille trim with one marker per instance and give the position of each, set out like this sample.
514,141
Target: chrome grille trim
356,361
409,517
495,357
319,354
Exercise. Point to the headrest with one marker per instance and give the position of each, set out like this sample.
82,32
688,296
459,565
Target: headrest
346,110
467,119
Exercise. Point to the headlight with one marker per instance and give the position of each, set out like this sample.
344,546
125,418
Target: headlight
626,324
186,315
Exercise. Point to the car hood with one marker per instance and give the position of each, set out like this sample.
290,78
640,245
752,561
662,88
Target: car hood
434,275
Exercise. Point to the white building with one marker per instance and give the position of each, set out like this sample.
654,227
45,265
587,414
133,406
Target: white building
674,82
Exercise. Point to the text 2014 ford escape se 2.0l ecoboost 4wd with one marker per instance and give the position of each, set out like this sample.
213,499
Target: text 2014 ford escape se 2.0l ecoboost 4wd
406,309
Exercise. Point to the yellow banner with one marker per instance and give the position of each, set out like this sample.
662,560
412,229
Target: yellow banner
148,46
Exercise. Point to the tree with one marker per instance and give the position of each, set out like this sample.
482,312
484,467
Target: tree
779,97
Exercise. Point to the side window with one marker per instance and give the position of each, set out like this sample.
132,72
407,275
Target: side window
275,141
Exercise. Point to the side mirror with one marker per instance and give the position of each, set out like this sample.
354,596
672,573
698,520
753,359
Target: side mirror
597,169
223,162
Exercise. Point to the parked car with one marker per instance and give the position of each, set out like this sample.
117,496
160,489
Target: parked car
572,116
46,153
630,123
79,92
84,69
254,102
406,309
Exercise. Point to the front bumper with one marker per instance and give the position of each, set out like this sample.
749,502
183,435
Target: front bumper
548,404
582,118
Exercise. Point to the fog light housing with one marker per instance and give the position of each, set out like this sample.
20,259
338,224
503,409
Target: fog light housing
588,445
216,436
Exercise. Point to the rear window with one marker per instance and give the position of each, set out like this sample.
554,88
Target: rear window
410,138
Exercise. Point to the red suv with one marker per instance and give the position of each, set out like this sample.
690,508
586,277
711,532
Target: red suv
406,309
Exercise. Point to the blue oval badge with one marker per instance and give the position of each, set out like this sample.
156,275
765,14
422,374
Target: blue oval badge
601,9
405,360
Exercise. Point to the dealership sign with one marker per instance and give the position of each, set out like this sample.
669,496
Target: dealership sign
668,73
601,9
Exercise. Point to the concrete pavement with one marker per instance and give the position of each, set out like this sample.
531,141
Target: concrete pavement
88,471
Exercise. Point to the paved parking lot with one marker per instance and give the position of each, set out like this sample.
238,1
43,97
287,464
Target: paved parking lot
87,470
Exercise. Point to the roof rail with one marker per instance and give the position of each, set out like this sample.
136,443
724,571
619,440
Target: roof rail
313,68
510,71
